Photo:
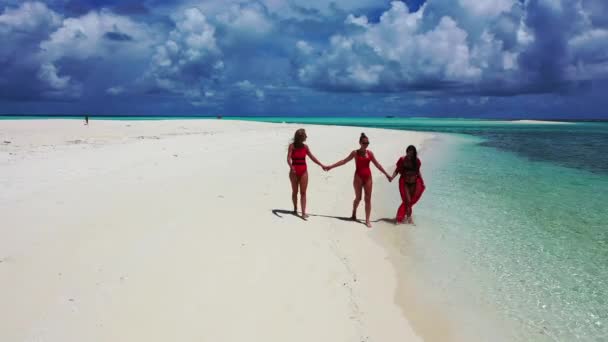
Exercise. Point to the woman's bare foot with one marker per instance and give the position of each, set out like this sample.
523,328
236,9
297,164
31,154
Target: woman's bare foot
305,216
368,224
409,220
353,218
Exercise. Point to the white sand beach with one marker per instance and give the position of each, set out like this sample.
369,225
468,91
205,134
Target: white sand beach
176,231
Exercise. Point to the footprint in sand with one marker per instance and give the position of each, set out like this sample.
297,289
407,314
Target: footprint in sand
5,260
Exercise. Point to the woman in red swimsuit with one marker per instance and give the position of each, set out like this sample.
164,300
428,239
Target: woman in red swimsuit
363,176
298,175
411,184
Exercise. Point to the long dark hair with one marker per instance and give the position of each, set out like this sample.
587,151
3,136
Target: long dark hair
299,137
414,160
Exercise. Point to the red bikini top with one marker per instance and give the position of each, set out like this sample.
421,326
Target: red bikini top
408,167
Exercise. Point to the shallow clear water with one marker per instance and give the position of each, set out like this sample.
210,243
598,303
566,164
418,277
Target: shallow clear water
528,238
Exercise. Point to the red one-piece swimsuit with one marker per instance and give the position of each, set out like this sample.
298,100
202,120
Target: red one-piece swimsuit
298,160
362,166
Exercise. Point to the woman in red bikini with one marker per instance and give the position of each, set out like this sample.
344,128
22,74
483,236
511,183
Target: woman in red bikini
298,175
363,176
411,184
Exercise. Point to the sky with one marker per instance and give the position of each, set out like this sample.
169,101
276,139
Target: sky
434,58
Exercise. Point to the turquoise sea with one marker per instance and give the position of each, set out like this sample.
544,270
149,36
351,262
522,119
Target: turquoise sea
515,221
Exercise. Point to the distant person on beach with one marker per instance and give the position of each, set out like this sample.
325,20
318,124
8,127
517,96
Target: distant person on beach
363,176
86,119
298,174
411,184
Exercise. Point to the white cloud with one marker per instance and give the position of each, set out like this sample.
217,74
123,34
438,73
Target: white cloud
189,59
289,8
422,101
249,88
48,73
477,101
115,90
392,53
245,85
524,36
486,8
304,47
555,5
489,55
21,30
260,94
592,42
212,46
589,52
87,36
358,21
112,38
416,50
246,19
57,86
509,60
27,18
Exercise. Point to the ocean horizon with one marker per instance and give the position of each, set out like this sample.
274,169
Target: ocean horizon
291,117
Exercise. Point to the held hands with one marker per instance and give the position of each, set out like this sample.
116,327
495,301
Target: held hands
326,168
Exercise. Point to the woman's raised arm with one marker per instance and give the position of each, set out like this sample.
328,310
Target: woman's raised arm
343,161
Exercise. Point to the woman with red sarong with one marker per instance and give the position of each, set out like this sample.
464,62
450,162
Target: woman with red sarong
411,184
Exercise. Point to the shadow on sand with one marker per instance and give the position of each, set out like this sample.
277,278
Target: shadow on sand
279,212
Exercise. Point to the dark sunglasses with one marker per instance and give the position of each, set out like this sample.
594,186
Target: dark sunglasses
365,143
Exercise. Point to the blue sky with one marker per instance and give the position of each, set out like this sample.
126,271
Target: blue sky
457,58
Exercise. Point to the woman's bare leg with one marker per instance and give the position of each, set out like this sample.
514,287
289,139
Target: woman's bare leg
294,191
303,187
411,190
357,184
368,200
